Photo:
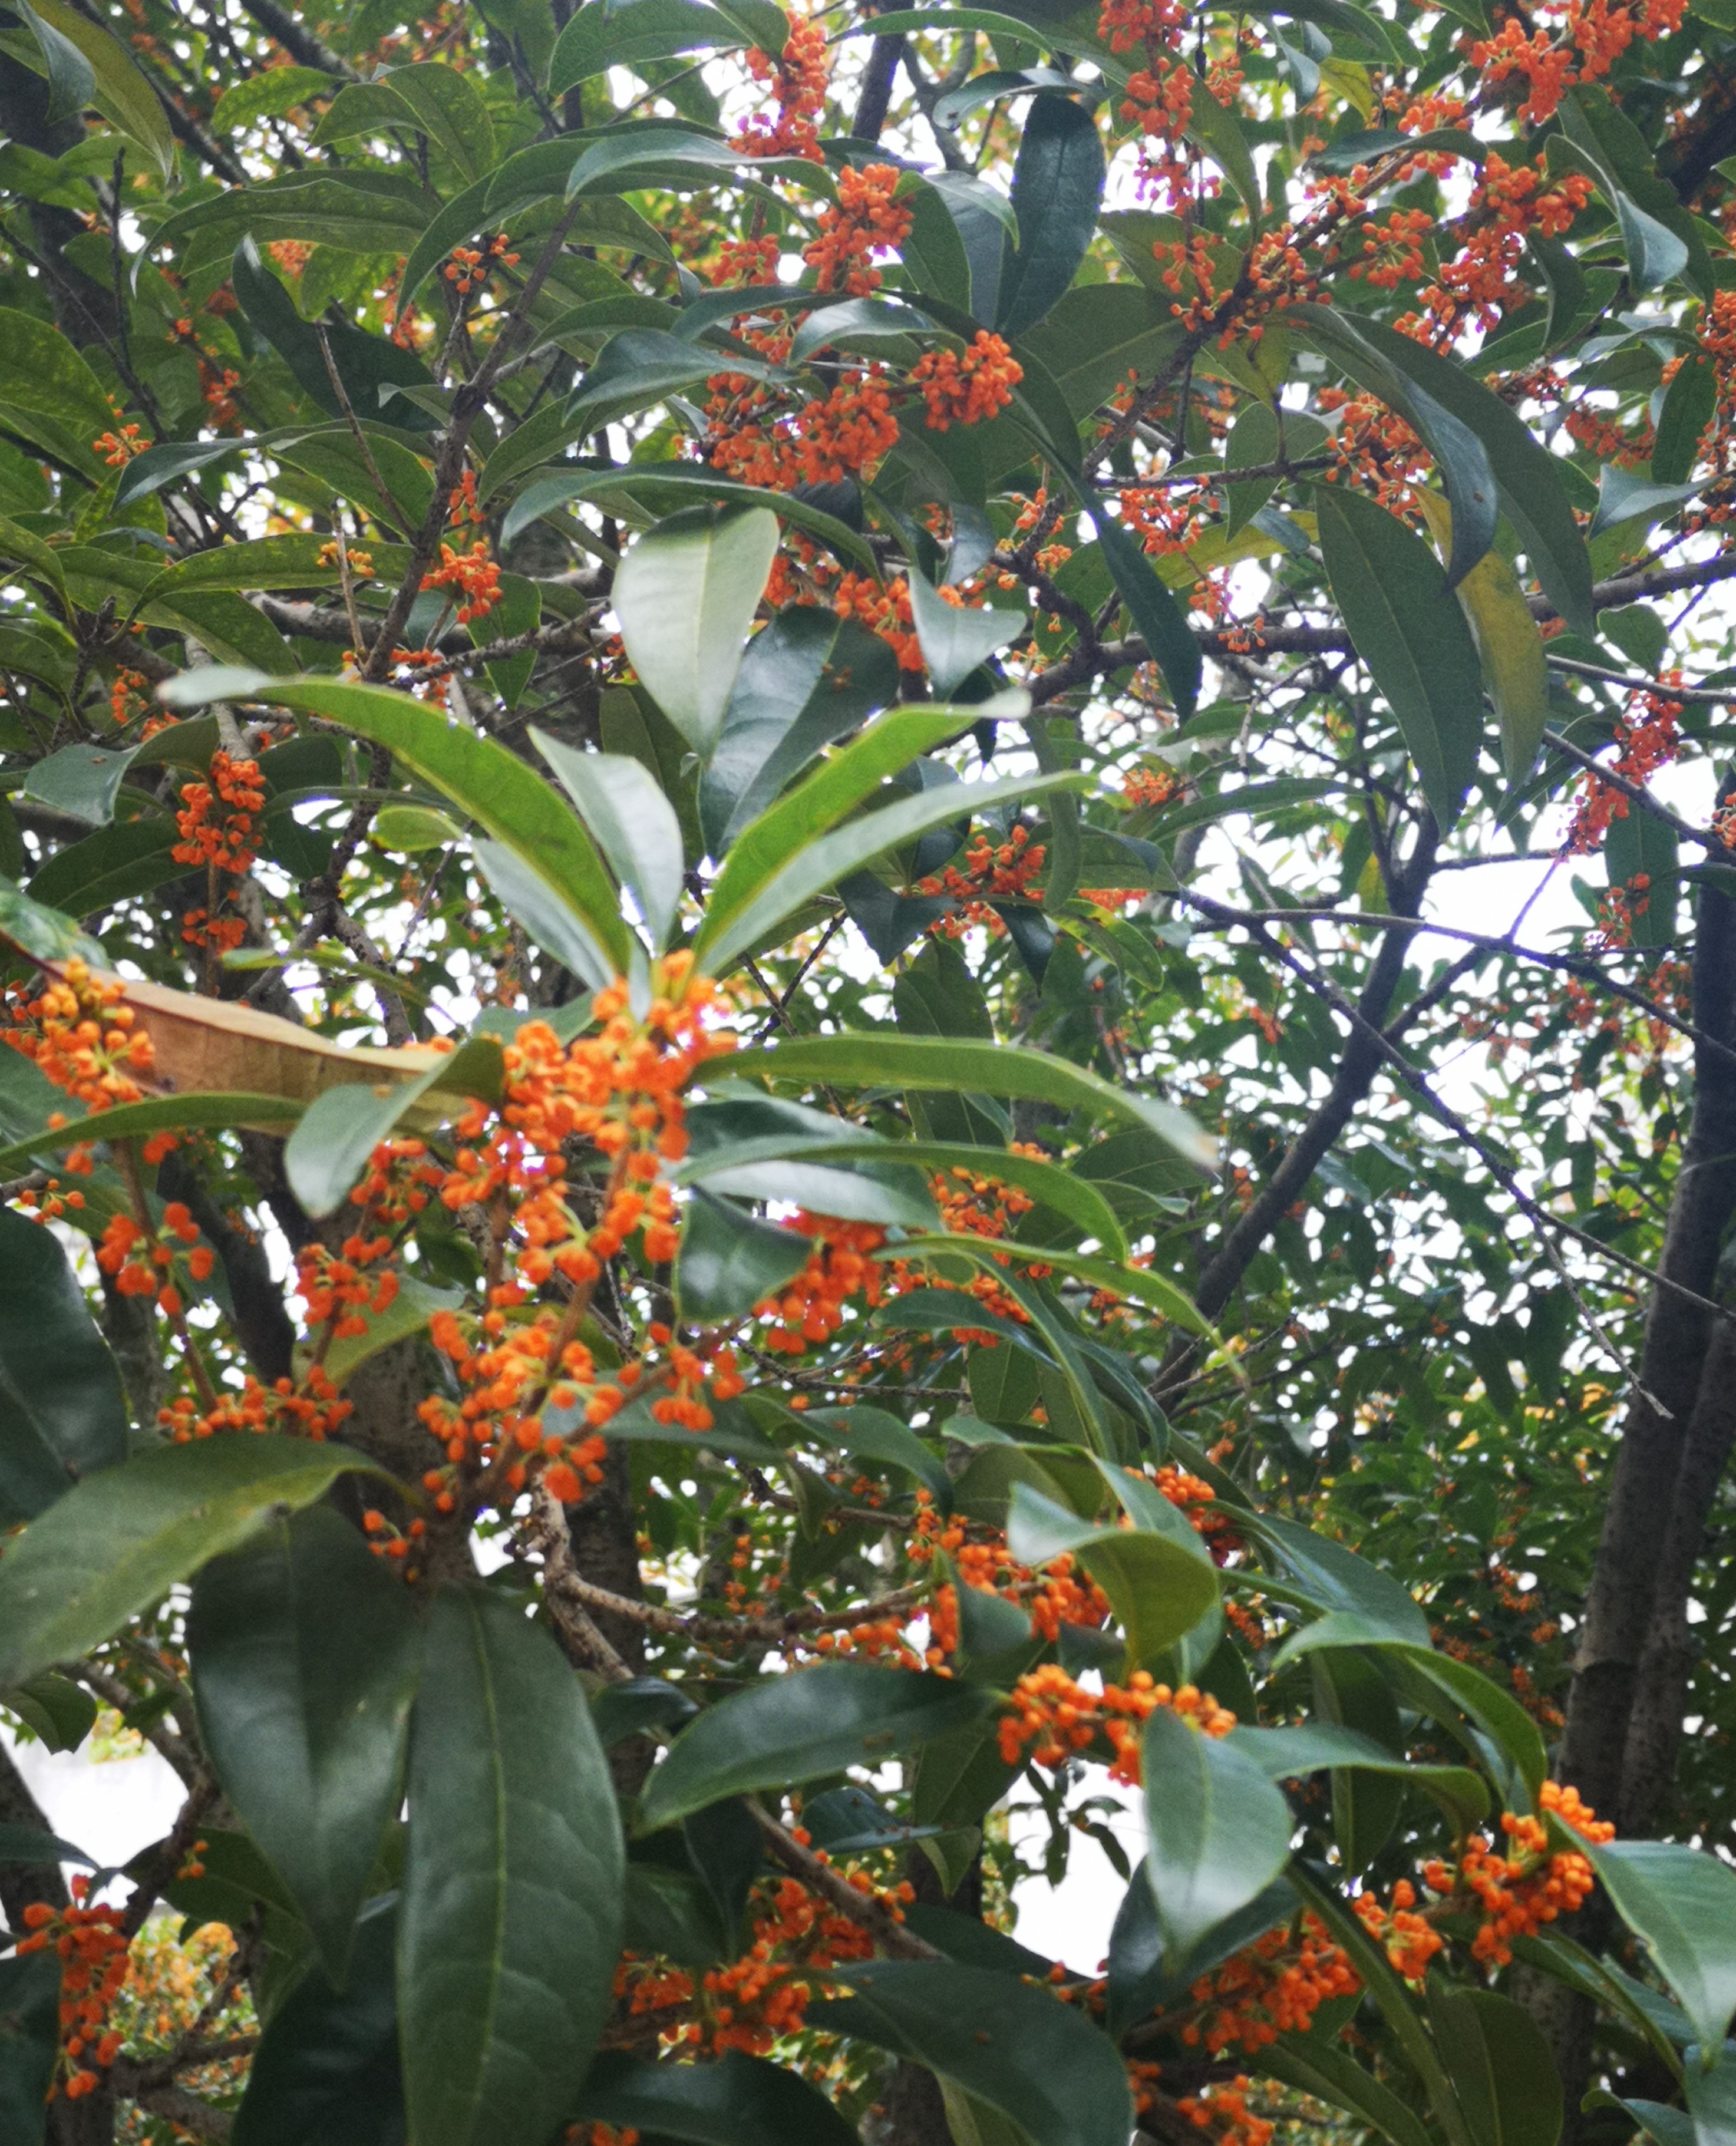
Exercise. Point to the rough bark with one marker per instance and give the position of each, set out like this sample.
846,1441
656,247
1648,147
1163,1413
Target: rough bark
1625,1592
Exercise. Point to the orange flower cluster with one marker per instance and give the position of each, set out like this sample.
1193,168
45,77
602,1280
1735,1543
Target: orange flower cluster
811,1308
866,220
132,1255
471,267
118,448
473,573
964,389
498,1425
1272,1987
337,1289
79,1034
313,1409
1151,785
1594,34
1160,94
226,845
92,1945
1057,1717
829,438
1642,747
1224,2109
993,871
1193,1495
1508,202
1409,1940
128,686
884,611
1521,1891
798,82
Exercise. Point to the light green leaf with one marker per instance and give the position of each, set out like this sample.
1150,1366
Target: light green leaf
956,638
1220,1832
634,823
685,594
122,1539
510,1923
1515,669
1160,1585
1682,1901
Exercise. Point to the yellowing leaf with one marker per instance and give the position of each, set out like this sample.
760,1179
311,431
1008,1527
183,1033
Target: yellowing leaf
1508,646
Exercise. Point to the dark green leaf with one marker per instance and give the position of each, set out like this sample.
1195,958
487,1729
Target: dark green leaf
304,1655
122,1539
1410,631
511,1921
1018,2049
1688,404
29,2043
1502,2068
1220,1832
740,2101
634,823
1313,1747
788,1729
956,638
1160,1585
63,1415
728,1261
1057,185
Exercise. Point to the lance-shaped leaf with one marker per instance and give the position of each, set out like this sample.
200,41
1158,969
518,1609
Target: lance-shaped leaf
1058,180
635,825
63,1415
329,1148
728,1261
29,2043
1528,479
787,1730
1038,2062
1315,1746
119,91
304,1656
1220,1832
1688,405
957,1063
1682,1901
71,81
122,1539
510,1925
1502,2068
599,37
1160,1585
1515,670
1408,629
685,594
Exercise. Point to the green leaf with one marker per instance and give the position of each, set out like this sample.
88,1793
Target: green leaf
787,1730
122,1539
1315,1746
1639,846
29,1844
1626,495
952,1064
829,795
741,2101
810,679
1433,1677
268,95
329,1148
599,37
71,81
1161,622
1096,334
63,1415
364,364
728,1261
59,1711
1527,475
821,864
1332,2074
1711,2093
1412,635
159,1113
121,93
878,1435
510,1925
1659,236
81,780
1682,1901
51,398
685,594
1501,2066
29,2044
1515,670
493,786
1058,180
659,487
440,101
956,638
304,1649
1688,407
414,827
1220,1832
327,2067
525,895
1160,1585
1017,2049
1335,1579
634,823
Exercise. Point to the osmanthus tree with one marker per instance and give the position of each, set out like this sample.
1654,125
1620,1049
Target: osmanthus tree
725,733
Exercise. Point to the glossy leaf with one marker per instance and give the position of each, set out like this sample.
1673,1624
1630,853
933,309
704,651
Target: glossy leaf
120,93
1681,1902
740,2101
1058,180
509,1924
598,37
951,1063
1688,404
1500,2064
328,1150
728,1261
1001,2041
1413,636
63,1415
1220,1832
633,822
685,594
785,1731
304,1654
1313,1747
122,1539
956,638
1160,1585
